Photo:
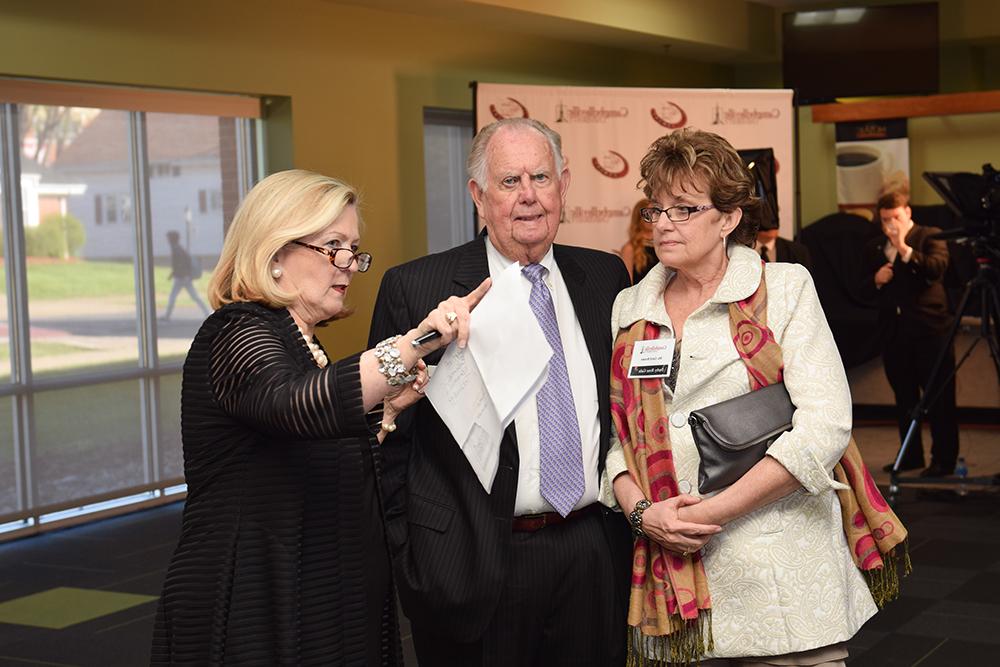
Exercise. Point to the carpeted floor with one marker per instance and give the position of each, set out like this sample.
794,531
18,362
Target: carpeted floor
85,596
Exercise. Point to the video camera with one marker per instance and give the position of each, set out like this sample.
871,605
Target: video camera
976,199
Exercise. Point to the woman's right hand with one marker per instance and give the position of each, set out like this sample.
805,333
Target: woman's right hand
663,525
451,318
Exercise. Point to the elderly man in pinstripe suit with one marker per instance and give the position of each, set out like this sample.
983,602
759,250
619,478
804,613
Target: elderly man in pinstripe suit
536,571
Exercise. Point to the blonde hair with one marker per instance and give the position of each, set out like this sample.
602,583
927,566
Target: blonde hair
282,208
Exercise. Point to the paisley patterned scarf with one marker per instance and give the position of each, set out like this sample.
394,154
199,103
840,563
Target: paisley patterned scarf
670,606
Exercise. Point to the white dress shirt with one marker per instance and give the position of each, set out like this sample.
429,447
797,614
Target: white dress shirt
583,382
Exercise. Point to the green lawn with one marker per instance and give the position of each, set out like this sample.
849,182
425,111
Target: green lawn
73,279
38,349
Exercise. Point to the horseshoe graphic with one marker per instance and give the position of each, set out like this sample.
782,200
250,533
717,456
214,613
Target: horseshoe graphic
612,174
500,116
667,124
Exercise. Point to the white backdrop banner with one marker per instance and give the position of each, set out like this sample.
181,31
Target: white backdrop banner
607,131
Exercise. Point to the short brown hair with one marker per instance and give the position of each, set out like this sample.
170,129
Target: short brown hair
678,158
891,200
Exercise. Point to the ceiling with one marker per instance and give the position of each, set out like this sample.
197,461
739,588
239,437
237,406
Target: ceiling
720,31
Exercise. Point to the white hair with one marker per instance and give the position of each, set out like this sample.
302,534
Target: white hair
476,164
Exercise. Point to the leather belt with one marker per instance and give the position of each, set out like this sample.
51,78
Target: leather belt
529,523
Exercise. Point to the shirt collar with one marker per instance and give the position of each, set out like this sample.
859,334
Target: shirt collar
646,299
499,261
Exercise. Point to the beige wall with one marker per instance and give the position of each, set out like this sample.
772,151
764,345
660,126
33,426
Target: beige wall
357,79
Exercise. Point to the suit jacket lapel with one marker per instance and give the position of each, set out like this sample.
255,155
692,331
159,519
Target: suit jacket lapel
473,267
595,328
780,251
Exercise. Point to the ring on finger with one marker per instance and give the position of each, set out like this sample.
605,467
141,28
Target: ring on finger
451,317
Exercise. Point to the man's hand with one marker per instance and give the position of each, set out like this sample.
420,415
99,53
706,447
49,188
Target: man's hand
883,275
896,237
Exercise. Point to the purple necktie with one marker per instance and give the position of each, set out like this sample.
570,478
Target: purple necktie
561,454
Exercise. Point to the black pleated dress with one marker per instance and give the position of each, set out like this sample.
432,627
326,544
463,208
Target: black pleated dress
282,558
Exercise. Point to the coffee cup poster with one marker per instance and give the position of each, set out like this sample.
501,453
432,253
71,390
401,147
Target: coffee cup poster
606,131
873,158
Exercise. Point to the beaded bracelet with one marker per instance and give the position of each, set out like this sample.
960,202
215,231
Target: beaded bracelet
391,366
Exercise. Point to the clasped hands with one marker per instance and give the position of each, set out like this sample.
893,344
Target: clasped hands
678,525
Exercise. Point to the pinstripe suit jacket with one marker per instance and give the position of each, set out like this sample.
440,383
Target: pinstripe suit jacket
449,539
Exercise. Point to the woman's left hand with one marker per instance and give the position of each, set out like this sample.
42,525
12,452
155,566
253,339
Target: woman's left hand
402,397
405,395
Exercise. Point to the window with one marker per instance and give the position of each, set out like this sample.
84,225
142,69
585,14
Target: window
450,216
110,208
209,200
99,331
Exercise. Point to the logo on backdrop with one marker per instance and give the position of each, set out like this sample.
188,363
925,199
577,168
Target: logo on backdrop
597,214
744,116
613,164
509,108
591,114
669,115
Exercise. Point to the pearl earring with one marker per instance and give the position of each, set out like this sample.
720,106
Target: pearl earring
276,272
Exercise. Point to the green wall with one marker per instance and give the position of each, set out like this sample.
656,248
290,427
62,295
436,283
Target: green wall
350,85
355,81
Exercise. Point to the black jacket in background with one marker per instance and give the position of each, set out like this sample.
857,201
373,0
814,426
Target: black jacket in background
914,301
792,252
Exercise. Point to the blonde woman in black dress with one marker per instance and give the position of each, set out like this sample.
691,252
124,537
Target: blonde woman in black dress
282,557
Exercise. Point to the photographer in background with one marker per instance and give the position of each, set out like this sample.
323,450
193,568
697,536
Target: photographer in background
905,267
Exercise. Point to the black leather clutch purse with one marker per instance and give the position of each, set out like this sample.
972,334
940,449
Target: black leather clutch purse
733,435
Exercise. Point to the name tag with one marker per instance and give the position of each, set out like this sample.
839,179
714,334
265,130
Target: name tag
652,358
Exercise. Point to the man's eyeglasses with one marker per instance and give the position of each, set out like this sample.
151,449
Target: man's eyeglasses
338,260
680,213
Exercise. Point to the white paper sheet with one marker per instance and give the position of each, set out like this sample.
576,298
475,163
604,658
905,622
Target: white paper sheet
478,390
508,344
457,392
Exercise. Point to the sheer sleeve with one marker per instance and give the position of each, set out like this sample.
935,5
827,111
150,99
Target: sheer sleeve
255,379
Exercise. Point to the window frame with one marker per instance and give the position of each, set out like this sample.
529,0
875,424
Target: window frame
29,516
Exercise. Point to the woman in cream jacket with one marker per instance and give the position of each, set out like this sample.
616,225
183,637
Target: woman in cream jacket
783,586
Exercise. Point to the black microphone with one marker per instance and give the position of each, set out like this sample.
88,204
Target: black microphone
426,338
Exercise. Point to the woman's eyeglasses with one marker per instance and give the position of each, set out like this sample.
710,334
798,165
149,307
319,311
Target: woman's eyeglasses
679,213
338,260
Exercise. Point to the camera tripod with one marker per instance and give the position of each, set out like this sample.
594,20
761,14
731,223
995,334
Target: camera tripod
986,286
